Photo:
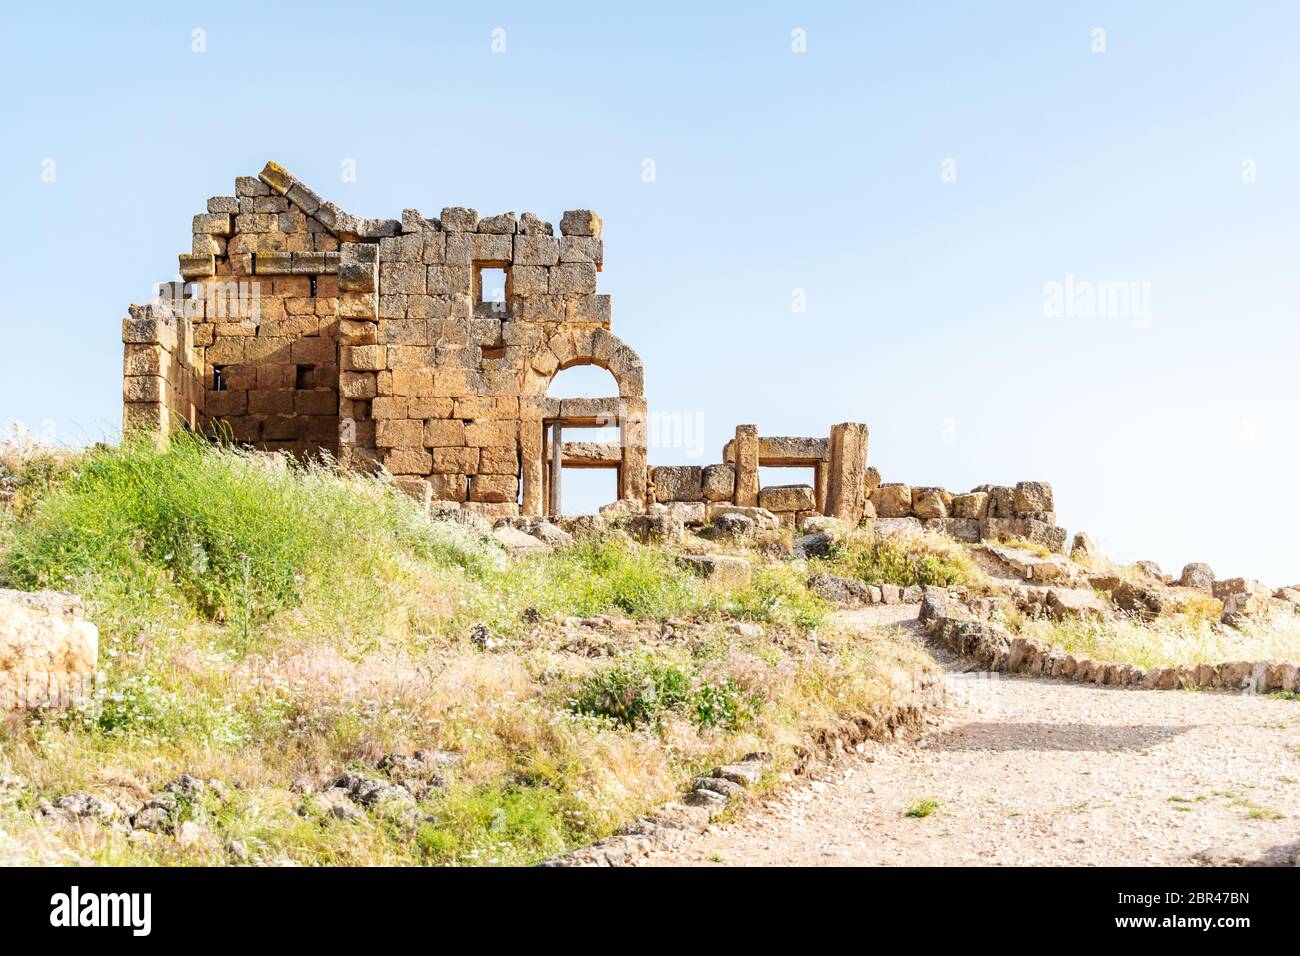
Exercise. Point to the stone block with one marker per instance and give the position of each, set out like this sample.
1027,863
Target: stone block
536,250
459,219
892,500
494,488
972,505
572,278
718,482
580,222
929,503
498,460
444,433
787,498
502,225
1032,496
678,483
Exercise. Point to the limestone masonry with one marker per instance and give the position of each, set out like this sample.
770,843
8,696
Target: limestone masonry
426,347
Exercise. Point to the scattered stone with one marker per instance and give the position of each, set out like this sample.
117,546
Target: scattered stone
720,570
840,591
1082,546
734,525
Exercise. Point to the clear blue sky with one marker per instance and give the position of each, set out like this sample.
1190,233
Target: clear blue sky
1173,439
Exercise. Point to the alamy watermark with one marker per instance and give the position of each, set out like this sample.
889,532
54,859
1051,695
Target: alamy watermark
1076,298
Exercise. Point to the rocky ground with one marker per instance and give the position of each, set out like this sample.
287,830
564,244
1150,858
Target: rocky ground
1031,771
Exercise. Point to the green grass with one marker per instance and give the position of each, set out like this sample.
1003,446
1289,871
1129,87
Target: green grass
902,560
264,622
923,808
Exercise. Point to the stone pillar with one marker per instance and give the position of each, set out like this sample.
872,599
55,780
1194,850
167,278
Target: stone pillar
820,479
632,435
532,443
846,488
557,462
746,451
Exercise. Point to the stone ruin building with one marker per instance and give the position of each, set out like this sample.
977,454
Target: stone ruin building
426,347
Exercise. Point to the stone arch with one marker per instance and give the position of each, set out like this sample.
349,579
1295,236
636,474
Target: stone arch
563,349
566,348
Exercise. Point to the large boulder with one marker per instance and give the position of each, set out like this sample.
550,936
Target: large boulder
718,569
1075,602
48,650
1082,546
841,591
1198,575
1226,588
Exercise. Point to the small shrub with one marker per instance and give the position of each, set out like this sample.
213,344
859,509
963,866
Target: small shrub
638,692
923,808
904,561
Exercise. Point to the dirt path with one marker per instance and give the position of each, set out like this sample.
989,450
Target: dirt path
1030,771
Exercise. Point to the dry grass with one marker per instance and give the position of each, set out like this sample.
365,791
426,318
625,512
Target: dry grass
1190,637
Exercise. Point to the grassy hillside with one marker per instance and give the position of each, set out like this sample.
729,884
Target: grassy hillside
267,627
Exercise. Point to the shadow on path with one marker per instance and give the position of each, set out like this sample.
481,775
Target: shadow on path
1083,738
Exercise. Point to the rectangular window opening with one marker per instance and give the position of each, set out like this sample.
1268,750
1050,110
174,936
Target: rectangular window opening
304,377
218,378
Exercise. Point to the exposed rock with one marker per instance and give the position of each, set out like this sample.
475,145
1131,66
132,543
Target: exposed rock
1075,602
80,805
1241,609
1224,589
734,525
369,791
892,527
1082,546
817,545
718,569
519,542
48,650
657,527
688,513
841,591
1197,575
822,523
621,510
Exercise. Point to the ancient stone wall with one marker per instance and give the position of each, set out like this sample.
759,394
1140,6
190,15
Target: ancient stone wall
989,512
426,347
382,342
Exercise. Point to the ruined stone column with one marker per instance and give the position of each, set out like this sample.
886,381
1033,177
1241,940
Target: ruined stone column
557,463
532,443
746,450
846,487
632,436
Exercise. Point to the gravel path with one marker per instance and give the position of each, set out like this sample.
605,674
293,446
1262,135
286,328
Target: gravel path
1030,771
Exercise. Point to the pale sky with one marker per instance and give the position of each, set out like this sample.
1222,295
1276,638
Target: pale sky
916,179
